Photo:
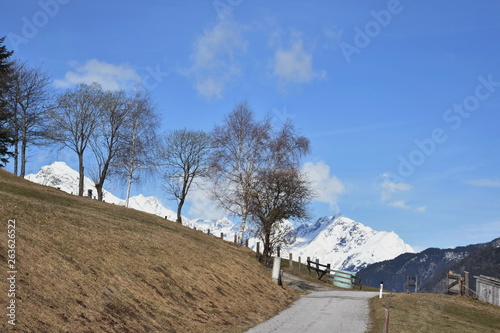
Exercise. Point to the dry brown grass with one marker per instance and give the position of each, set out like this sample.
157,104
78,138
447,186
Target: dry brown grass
88,266
432,313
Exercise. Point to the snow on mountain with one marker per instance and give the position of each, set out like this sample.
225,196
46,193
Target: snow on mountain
60,175
340,241
346,244
216,227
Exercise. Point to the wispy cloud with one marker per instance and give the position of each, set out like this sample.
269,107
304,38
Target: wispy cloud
391,192
111,77
484,182
294,64
328,188
390,188
214,59
399,204
402,204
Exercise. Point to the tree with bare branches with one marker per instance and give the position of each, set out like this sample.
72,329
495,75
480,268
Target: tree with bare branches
29,100
138,141
184,155
114,107
281,190
74,121
237,157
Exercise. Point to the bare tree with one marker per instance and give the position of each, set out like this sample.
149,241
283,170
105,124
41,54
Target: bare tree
105,140
74,120
138,140
281,192
29,100
184,155
237,157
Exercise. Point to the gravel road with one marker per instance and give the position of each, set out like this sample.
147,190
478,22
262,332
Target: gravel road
322,311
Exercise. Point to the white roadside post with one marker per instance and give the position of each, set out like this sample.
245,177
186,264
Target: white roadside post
381,288
276,269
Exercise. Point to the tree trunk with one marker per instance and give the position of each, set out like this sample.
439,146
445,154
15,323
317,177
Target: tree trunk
242,227
179,209
129,186
102,177
98,187
81,174
16,157
267,247
23,157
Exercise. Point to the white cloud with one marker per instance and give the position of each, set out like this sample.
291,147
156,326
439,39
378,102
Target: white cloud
421,209
294,64
390,188
111,77
391,192
328,188
214,61
484,182
202,206
399,204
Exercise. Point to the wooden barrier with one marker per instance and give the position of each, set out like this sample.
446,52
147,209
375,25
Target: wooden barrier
411,282
454,283
320,269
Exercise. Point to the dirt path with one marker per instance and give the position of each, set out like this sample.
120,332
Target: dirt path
323,310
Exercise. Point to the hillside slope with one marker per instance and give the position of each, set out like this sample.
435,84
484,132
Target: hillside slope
88,266
337,240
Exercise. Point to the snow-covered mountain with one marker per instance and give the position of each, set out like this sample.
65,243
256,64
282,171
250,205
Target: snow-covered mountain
63,177
345,243
338,240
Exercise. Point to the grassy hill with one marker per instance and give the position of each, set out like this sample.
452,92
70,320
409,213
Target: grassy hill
432,313
88,266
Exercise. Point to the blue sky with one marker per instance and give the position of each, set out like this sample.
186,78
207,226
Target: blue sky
401,99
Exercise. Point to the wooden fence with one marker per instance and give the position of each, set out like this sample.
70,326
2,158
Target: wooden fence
488,289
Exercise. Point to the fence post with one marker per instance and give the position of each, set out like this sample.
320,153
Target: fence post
466,278
300,264
278,249
221,235
258,247
386,321
235,239
290,260
246,242
208,231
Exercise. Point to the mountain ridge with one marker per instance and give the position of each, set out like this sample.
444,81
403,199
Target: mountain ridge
431,265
